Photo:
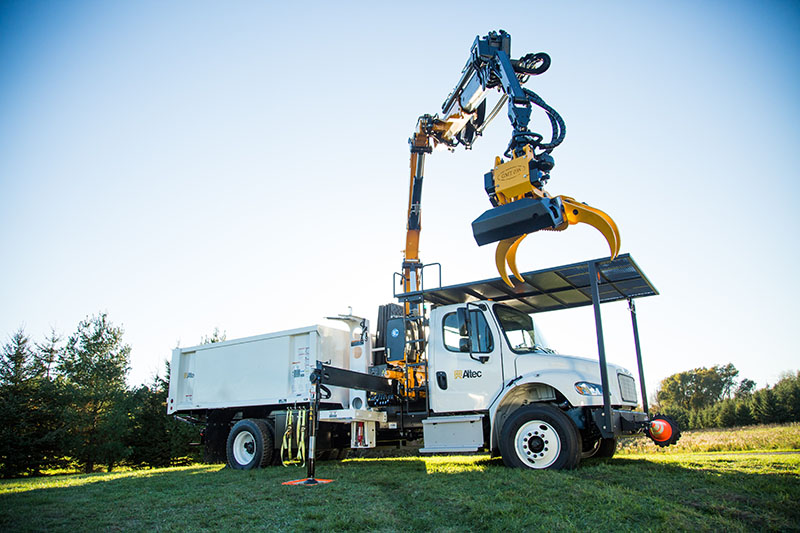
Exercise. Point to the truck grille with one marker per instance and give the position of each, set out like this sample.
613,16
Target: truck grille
627,386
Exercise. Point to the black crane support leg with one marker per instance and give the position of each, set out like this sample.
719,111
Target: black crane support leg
608,429
632,307
311,461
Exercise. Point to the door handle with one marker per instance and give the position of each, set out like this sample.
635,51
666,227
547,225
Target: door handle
441,380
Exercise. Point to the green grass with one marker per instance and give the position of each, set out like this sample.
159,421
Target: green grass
632,493
740,439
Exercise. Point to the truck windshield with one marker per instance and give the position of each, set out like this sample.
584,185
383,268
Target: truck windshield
519,331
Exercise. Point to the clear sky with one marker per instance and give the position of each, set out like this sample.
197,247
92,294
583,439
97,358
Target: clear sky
244,165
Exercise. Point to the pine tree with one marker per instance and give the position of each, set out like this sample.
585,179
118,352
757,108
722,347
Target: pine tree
763,406
158,439
17,360
744,415
787,397
94,365
48,354
695,420
726,414
31,412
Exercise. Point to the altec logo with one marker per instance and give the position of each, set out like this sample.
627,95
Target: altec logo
462,374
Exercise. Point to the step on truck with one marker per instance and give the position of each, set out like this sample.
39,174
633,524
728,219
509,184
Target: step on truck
472,374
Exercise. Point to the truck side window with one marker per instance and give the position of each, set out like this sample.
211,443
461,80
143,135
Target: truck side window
482,341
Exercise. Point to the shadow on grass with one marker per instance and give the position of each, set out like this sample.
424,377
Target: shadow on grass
415,493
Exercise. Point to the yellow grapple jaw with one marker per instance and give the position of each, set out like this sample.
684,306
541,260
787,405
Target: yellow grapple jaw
522,206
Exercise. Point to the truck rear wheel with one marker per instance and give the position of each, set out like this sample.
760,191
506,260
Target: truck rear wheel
539,437
250,444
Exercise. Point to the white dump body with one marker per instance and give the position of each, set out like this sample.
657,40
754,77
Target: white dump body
266,369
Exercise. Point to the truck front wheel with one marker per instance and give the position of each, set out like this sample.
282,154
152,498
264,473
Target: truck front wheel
250,444
540,436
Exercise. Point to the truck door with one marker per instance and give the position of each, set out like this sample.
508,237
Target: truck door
460,381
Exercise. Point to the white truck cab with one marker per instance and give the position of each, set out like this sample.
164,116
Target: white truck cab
504,353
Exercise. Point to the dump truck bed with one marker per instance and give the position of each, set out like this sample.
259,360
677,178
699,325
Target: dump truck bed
268,369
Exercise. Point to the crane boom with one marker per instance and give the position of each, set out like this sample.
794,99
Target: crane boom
515,187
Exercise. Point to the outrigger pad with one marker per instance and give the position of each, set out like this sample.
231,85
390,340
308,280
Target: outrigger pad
307,482
525,215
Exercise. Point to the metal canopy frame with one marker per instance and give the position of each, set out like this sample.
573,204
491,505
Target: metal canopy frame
551,289
564,287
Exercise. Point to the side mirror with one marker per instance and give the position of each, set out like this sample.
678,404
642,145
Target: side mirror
464,345
463,322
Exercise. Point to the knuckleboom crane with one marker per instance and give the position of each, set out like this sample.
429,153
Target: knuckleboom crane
515,185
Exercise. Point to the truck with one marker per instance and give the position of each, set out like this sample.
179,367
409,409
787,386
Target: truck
461,368
488,381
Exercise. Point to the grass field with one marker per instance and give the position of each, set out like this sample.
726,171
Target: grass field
773,438
633,492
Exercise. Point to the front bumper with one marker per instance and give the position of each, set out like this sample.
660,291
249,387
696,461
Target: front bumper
622,422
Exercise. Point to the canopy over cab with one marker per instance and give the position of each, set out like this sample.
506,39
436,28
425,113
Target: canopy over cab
553,289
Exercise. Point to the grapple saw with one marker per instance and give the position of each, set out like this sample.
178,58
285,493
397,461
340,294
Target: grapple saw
520,205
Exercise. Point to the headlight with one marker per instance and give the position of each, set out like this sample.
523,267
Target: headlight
589,389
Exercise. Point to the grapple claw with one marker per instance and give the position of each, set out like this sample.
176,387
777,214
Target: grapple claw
500,258
511,257
576,212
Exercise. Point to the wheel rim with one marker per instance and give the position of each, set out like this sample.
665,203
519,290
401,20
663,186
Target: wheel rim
244,448
537,444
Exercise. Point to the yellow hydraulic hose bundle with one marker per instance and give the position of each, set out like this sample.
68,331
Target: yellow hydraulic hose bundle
300,437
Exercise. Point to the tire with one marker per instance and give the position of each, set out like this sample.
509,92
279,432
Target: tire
540,437
250,444
325,455
599,449
334,454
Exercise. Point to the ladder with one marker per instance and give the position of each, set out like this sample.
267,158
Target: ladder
414,387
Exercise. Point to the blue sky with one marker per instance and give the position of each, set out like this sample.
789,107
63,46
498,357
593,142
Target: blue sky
190,165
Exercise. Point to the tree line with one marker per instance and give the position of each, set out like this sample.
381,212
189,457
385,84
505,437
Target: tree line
66,405
714,397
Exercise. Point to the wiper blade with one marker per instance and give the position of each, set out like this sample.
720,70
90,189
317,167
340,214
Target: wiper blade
523,348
